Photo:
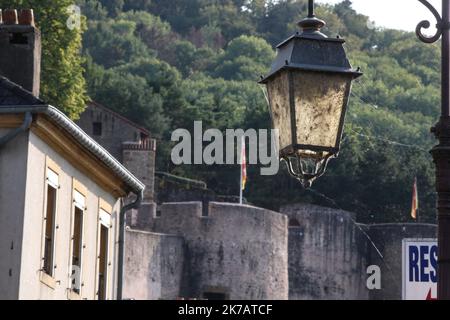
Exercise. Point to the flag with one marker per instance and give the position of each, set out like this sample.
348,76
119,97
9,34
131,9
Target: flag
415,201
243,165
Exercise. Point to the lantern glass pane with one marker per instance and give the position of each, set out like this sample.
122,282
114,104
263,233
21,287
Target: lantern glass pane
319,103
278,90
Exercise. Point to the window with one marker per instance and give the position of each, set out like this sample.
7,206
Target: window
103,263
52,186
18,38
76,260
144,136
103,251
293,223
97,128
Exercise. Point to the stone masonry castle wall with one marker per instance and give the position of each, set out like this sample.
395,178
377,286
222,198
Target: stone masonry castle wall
153,266
250,253
140,160
327,254
115,129
239,251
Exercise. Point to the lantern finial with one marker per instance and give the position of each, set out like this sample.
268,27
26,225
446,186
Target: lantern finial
311,9
311,25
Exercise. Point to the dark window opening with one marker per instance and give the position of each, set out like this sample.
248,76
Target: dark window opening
205,208
293,223
18,38
215,296
77,247
97,128
49,230
103,263
143,136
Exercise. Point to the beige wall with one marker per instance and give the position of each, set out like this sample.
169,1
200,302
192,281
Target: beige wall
13,168
30,230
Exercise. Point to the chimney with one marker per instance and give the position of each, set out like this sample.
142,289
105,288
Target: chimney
20,49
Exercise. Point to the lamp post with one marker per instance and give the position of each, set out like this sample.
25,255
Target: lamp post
441,153
308,88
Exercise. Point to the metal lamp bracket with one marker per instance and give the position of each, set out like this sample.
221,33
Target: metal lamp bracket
425,24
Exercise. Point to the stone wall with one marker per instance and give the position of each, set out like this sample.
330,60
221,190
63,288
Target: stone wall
327,254
170,188
115,129
237,251
243,252
153,266
139,159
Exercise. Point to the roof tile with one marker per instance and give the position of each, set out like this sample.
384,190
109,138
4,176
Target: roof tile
11,94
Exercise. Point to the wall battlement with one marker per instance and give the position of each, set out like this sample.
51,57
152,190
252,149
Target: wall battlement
143,145
244,252
326,241
240,251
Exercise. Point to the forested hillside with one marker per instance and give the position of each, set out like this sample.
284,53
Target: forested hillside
166,63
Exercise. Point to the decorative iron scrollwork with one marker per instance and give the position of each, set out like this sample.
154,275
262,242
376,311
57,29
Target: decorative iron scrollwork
425,24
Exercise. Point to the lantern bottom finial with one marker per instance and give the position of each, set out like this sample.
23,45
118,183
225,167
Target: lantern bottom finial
306,169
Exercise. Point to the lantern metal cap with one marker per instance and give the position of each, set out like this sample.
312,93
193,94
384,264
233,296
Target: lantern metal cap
302,52
311,50
308,36
309,53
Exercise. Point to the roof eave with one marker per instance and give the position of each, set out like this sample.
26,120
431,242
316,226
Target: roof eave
83,139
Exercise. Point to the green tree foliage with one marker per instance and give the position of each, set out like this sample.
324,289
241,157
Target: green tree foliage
246,58
137,5
280,20
112,42
93,10
129,95
151,30
62,81
189,59
114,7
168,63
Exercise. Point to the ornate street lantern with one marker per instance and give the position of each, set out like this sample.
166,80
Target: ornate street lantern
308,89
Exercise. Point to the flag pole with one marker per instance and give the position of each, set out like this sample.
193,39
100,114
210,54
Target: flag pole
240,189
417,194
240,169
415,202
